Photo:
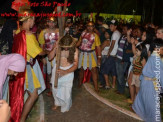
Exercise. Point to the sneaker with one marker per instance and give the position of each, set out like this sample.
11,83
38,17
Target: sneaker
107,87
101,86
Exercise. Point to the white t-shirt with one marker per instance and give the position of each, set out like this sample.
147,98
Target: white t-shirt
105,50
115,36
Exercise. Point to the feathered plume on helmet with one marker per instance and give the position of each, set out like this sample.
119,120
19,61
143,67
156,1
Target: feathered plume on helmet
90,23
53,19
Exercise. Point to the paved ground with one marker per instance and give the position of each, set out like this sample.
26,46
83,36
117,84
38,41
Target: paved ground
85,108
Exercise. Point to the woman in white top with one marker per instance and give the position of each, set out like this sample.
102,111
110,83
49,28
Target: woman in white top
104,52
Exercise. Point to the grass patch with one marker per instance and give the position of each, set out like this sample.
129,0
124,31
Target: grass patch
120,100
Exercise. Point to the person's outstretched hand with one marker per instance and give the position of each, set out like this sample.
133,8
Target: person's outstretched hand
4,111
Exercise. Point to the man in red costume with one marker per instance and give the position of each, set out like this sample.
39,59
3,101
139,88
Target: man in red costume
25,43
17,86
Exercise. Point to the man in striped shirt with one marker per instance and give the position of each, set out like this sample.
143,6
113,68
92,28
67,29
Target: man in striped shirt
121,64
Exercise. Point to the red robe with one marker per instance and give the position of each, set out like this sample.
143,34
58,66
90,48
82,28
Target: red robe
16,87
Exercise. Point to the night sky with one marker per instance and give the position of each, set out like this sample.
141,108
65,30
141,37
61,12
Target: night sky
101,6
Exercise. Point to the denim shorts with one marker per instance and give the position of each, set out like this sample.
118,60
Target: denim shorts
108,67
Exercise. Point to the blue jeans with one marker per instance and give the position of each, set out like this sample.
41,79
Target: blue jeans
101,76
120,69
5,89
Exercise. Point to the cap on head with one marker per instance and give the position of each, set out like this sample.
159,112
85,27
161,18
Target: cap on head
114,22
68,21
105,26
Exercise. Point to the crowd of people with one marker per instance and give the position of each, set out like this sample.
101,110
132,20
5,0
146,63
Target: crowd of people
128,53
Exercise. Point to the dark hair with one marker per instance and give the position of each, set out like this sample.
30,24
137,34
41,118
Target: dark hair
100,18
144,53
157,43
140,28
149,37
109,32
128,26
67,41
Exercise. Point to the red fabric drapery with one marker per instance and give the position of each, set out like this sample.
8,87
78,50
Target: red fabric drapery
16,87
87,76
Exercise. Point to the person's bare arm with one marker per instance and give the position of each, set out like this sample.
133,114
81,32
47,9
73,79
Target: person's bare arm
75,63
111,47
128,51
99,54
134,58
133,46
98,50
104,44
143,62
44,53
52,54
96,31
79,42
4,111
149,53
72,69
42,46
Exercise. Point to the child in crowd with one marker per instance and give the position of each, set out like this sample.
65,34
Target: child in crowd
105,49
135,41
138,63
